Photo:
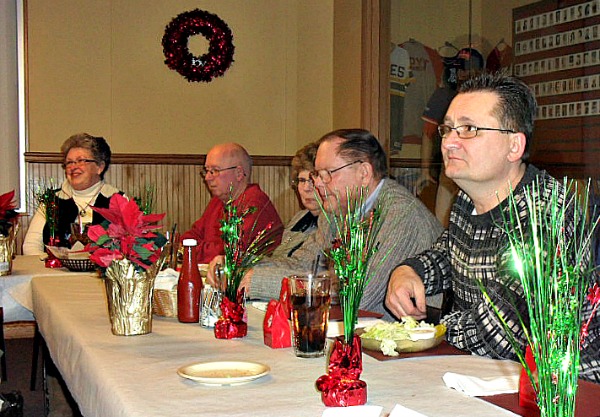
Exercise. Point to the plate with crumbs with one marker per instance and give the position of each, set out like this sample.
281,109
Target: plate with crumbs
224,372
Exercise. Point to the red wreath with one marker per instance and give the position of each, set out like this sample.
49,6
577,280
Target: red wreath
212,64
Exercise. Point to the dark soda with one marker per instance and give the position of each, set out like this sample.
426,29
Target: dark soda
309,318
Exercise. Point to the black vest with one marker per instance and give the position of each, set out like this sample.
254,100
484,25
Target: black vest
67,214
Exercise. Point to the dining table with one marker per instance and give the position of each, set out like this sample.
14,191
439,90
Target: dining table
15,289
113,376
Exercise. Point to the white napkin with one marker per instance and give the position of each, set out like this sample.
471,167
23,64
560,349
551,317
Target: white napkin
355,411
481,387
76,252
400,411
260,305
166,280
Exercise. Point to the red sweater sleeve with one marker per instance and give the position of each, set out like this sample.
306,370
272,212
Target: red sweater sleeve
206,231
265,217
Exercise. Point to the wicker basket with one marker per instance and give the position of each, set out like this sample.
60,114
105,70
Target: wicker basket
164,302
78,265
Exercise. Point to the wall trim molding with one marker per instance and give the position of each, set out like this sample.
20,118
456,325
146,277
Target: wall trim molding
151,159
192,159
557,170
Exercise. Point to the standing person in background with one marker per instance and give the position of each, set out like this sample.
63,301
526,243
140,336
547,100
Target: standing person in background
227,173
467,63
86,159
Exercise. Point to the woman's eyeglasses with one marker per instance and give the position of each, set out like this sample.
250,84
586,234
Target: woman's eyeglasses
303,181
77,163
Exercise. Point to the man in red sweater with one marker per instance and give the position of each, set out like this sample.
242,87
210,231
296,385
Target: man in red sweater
227,174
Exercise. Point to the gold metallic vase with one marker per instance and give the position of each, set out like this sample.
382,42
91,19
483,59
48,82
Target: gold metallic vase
129,294
8,248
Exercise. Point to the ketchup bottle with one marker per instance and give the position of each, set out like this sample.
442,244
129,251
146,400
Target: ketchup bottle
189,285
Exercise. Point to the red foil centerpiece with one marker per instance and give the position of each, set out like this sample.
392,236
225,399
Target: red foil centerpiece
51,260
231,324
342,386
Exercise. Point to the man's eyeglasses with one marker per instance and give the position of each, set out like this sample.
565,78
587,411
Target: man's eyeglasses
77,163
467,131
204,171
325,174
303,181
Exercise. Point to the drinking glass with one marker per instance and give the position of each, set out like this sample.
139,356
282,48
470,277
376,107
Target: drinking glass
310,301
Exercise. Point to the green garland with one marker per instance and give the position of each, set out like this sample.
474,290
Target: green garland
238,257
549,255
353,245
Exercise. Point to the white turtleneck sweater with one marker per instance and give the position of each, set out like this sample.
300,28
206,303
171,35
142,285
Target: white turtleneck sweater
34,240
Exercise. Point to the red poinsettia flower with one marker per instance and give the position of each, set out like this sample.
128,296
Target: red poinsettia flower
127,233
104,257
7,206
8,215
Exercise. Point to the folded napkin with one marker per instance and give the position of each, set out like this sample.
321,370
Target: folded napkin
400,411
260,305
166,279
354,411
481,387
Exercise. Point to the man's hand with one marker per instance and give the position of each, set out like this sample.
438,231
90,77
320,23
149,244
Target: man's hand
405,285
211,277
246,281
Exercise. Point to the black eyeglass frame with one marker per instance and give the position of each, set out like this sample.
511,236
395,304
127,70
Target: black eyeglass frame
329,172
215,172
444,130
298,181
78,162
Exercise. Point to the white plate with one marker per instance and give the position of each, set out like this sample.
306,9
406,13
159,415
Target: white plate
224,373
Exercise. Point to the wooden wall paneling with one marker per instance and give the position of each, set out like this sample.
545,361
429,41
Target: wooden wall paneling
180,189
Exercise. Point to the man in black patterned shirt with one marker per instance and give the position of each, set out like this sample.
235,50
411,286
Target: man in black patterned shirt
486,137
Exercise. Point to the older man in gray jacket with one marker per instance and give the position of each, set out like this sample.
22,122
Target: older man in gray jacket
349,159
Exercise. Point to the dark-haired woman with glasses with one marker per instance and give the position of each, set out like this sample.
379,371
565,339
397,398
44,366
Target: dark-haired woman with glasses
86,159
304,223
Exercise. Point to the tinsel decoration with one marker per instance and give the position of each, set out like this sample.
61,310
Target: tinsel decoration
239,257
549,255
354,243
212,64
48,199
145,199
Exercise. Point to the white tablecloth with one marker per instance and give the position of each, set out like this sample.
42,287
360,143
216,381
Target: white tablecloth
111,376
15,289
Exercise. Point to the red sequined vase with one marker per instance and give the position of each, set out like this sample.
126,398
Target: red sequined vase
232,322
342,386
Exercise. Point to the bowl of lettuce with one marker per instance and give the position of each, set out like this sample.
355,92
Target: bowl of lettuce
408,335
